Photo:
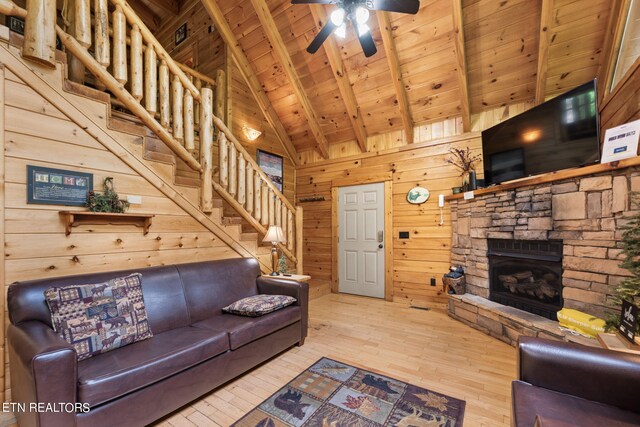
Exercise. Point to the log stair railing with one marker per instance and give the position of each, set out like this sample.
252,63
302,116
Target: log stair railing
172,100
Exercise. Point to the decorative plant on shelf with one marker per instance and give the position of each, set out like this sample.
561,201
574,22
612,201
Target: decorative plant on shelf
107,201
464,160
628,289
283,264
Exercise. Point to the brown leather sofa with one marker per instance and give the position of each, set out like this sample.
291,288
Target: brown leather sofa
564,384
195,347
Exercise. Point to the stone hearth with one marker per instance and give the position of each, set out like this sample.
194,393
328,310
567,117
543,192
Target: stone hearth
585,213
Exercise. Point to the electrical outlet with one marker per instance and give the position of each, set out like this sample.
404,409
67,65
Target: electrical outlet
433,281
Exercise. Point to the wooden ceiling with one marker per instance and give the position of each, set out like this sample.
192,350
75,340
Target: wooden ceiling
454,58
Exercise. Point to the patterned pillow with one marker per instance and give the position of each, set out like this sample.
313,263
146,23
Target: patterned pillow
259,305
100,317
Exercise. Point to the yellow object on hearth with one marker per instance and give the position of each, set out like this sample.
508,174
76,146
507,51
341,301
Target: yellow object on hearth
580,322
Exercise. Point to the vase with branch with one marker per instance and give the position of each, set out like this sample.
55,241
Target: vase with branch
464,160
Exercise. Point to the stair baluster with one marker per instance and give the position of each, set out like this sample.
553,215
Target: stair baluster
136,63
119,45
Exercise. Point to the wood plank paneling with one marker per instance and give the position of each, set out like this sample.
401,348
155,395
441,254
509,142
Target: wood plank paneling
35,244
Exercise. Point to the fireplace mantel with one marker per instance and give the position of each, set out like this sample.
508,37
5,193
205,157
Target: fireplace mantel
553,176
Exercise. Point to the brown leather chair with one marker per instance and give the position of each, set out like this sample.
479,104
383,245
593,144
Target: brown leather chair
565,384
195,347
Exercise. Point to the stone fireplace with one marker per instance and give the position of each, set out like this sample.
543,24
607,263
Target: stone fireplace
526,274
539,248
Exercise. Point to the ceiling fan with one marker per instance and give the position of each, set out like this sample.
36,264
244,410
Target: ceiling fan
356,12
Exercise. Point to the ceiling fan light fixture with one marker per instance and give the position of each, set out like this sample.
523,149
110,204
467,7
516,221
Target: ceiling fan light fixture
363,29
362,15
337,17
341,31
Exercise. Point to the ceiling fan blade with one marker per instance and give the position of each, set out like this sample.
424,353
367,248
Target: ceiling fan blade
321,37
314,1
367,43
400,6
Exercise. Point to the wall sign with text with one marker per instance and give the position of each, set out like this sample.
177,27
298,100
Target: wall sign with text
628,320
46,186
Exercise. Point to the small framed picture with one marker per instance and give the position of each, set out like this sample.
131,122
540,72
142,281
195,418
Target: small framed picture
271,165
181,34
628,321
621,142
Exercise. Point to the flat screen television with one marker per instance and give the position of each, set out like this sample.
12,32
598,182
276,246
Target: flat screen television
561,133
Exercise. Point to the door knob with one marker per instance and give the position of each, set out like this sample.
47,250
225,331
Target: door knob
380,246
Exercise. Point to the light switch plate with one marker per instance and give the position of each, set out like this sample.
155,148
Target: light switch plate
134,200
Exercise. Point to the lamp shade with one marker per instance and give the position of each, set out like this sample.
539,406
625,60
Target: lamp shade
274,235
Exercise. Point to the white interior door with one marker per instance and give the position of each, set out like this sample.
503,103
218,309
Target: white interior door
361,240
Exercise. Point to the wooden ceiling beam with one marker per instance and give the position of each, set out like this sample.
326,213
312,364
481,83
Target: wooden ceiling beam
168,6
546,17
461,70
342,79
250,78
148,16
391,52
273,34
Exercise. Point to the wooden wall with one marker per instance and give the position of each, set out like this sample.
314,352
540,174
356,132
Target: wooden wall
623,104
35,245
426,253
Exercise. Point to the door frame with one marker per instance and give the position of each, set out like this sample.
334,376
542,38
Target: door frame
385,178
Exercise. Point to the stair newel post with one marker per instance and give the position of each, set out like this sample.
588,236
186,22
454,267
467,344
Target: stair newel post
271,207
136,62
40,32
176,114
119,45
221,95
257,197
223,158
242,180
250,195
165,106
189,136
290,229
265,204
233,169
206,149
298,247
150,80
101,50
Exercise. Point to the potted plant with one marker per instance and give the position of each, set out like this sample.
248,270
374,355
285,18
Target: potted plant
464,160
108,201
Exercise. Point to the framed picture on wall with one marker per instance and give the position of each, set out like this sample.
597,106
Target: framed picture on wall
271,165
181,34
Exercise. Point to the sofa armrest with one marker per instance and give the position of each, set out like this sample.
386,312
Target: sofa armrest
596,374
43,370
298,290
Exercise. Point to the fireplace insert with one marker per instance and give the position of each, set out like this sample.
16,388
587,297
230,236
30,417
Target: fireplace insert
526,274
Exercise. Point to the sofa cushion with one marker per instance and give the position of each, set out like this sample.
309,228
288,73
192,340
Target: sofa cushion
209,286
560,408
96,318
243,330
111,375
258,305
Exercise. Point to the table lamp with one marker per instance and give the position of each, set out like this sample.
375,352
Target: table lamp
275,236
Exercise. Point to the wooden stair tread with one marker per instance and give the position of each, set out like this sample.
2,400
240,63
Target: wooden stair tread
187,181
232,220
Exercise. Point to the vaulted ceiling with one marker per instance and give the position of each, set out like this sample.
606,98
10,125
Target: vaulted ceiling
425,70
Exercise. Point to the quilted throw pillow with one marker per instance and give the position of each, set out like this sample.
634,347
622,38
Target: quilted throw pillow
100,317
258,305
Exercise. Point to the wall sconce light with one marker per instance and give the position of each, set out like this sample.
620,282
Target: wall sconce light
250,133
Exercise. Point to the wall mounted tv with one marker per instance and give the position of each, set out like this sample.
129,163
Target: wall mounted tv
559,134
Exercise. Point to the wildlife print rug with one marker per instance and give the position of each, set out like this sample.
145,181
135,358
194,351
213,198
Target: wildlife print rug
333,394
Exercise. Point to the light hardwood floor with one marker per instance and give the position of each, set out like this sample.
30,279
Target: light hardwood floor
425,348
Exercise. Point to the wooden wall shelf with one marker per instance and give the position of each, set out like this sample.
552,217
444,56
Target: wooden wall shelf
76,218
553,176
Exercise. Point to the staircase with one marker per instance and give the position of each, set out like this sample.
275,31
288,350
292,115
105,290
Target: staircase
160,121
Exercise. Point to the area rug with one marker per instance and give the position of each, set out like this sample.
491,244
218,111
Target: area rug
334,394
